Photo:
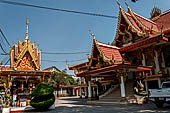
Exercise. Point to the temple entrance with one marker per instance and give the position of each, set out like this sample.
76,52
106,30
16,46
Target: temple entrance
21,89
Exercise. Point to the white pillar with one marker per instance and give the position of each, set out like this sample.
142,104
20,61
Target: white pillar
159,82
89,89
156,62
94,93
73,92
97,87
61,91
122,86
143,61
80,92
85,91
97,91
104,87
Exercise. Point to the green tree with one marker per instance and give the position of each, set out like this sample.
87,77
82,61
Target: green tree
58,79
71,80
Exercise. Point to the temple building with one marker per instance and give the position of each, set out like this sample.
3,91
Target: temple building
137,59
24,72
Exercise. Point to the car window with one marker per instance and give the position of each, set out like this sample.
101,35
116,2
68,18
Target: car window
166,85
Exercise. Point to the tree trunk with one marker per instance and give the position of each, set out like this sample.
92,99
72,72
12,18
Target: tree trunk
57,90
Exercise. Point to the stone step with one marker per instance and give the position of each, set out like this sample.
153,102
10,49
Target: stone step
111,97
110,100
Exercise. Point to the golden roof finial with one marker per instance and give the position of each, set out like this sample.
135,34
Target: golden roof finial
93,35
27,22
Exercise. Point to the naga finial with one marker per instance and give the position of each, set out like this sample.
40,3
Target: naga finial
126,3
93,35
118,2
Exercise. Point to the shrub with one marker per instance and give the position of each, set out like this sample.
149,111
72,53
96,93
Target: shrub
43,97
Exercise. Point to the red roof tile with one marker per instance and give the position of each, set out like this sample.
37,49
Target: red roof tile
132,21
146,22
110,52
164,20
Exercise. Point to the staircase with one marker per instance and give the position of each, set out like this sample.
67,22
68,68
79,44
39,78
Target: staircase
129,90
115,96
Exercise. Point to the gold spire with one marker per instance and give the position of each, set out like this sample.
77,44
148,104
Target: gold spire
27,22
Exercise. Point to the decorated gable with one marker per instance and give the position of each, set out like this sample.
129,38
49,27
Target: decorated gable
26,63
25,55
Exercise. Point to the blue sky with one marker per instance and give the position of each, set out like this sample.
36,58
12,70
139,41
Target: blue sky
67,32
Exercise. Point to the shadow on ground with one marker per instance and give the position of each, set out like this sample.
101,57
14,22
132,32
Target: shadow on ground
79,106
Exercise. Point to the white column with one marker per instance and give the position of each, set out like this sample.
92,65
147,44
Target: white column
159,82
61,91
80,92
94,93
89,89
156,62
143,61
85,91
104,87
97,88
122,86
73,92
97,91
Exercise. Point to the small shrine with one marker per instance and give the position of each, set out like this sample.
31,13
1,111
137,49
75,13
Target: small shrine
24,72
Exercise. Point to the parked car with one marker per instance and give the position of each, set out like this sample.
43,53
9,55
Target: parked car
161,95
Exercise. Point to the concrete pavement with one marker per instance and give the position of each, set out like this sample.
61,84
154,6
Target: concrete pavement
77,105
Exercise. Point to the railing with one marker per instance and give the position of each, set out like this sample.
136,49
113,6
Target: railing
108,91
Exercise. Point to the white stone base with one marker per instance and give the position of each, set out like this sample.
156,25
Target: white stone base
5,110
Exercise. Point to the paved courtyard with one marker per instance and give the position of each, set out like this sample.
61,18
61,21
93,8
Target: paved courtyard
77,105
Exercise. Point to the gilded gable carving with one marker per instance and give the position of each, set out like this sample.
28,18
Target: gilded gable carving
25,56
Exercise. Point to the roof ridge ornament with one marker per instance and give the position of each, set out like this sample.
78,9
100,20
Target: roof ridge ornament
92,34
118,3
27,22
126,3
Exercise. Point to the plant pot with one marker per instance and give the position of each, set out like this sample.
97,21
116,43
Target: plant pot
6,110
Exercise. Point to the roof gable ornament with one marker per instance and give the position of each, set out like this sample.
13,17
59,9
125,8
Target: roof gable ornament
118,3
92,34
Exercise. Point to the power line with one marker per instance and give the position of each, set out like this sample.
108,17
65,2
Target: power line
65,60
48,53
55,9
2,48
65,53
5,38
